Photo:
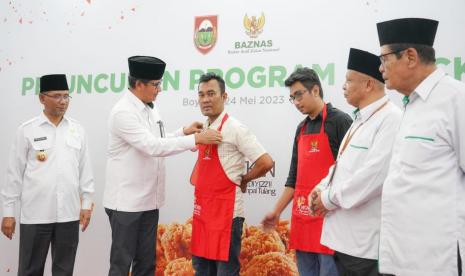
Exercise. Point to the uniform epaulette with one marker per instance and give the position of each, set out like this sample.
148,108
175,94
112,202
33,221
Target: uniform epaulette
74,121
29,121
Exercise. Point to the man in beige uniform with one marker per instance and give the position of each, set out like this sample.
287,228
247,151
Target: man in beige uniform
219,172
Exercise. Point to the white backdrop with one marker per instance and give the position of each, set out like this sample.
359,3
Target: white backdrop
93,39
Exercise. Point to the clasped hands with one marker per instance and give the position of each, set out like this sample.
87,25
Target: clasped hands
316,205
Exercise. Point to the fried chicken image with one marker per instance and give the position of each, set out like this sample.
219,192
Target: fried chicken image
173,241
179,267
161,260
187,236
257,242
270,264
283,230
262,253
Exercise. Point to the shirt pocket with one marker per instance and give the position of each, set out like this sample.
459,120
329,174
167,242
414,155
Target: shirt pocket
358,148
39,145
42,148
74,144
418,147
74,141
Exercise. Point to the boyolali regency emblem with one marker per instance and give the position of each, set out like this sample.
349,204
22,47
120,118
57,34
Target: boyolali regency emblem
205,32
253,26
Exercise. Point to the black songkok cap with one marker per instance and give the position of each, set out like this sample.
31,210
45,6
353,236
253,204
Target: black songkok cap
365,62
144,67
407,30
55,82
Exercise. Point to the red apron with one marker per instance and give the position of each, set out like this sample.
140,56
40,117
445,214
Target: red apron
214,200
314,160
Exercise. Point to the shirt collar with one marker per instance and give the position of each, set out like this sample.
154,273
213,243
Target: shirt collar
42,119
426,86
368,110
320,115
216,123
135,101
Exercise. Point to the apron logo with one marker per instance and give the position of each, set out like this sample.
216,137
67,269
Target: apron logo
302,206
207,153
314,146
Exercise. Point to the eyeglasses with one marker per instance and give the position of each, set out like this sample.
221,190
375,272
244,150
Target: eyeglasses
58,97
155,84
297,96
383,56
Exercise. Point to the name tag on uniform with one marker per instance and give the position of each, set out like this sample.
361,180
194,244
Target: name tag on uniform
40,139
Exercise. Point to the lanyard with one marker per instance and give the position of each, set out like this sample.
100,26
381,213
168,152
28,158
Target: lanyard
349,137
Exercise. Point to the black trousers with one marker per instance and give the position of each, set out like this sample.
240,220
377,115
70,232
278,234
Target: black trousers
34,242
134,236
353,266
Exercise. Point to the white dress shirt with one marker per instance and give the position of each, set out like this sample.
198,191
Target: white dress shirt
237,145
354,196
48,191
135,175
422,217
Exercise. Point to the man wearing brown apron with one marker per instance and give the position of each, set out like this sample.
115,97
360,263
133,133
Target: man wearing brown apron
315,148
219,172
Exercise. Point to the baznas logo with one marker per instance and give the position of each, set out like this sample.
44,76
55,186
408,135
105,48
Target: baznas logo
205,32
254,27
314,146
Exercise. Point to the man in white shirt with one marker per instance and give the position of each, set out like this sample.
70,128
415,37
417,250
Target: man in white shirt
316,144
50,180
218,176
423,210
350,195
135,176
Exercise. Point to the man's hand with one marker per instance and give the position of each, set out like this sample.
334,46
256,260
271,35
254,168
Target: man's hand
313,195
260,167
84,218
243,184
316,206
8,226
270,221
207,137
195,127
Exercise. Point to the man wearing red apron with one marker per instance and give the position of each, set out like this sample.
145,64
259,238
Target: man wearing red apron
315,148
218,177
